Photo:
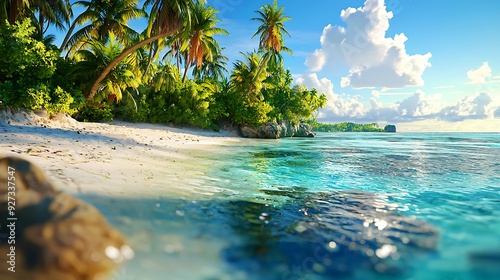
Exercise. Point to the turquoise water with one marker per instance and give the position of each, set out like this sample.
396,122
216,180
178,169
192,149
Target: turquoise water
337,206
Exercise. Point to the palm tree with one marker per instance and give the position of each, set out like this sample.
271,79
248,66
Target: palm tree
119,82
214,68
246,77
166,78
199,37
11,10
271,32
165,19
53,12
102,17
272,27
42,12
175,52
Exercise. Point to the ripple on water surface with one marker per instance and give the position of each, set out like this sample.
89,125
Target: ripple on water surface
343,206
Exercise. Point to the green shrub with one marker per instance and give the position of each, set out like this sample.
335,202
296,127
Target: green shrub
95,113
136,110
26,75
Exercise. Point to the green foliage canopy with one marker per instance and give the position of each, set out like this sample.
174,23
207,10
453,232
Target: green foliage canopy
28,71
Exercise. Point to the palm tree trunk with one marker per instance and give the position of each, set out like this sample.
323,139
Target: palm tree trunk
178,61
267,56
150,59
13,11
186,68
41,19
118,59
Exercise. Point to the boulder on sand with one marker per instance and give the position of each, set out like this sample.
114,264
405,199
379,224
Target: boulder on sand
56,235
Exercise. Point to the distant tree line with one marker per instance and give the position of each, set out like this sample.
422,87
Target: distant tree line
351,127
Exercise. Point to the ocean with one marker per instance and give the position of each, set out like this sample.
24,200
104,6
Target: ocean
337,206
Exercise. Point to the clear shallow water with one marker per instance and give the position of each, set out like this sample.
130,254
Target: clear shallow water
338,206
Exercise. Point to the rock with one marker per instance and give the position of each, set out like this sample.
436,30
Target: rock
269,131
248,132
390,128
288,129
57,236
41,113
276,131
235,133
304,130
284,130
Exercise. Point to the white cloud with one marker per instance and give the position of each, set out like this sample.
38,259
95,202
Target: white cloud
373,59
316,61
435,125
444,87
478,106
415,107
420,106
479,75
337,105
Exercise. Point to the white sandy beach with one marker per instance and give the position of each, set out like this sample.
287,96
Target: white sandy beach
114,159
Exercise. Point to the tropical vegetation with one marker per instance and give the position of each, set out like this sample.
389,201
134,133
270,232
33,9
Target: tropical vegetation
173,71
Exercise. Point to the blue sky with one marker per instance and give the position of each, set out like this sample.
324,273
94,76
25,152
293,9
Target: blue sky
423,65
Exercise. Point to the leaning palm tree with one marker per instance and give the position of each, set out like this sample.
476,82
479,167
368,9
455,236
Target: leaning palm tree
166,18
200,43
119,82
246,77
102,17
271,30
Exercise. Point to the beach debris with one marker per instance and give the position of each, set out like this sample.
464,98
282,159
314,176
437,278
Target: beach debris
56,235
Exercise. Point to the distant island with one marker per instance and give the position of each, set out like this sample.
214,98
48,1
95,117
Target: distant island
351,127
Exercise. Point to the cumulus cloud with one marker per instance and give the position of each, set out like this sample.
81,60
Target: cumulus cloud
479,75
478,106
420,106
373,59
415,107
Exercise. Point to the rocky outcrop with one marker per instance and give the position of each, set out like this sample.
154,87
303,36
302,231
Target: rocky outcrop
390,128
275,131
249,132
269,131
304,131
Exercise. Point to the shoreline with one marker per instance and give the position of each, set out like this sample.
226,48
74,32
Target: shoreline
113,159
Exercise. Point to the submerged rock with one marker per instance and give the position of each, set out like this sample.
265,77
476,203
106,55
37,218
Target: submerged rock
56,235
327,234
